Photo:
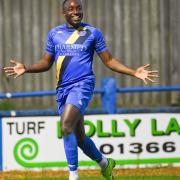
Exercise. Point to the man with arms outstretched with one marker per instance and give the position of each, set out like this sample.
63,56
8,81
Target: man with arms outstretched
71,47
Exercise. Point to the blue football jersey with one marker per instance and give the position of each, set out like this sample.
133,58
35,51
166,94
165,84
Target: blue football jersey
73,51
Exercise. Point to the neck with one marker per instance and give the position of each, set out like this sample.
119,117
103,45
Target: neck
71,26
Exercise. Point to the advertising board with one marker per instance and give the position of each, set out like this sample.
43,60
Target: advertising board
131,139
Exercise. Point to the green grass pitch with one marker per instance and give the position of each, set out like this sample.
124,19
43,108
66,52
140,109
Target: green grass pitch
100,178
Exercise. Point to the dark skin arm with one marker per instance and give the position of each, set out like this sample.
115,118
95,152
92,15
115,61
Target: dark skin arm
115,65
44,64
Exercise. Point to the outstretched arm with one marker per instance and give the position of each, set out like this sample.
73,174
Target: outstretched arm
17,69
115,65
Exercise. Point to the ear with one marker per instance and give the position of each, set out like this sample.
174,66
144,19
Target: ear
64,11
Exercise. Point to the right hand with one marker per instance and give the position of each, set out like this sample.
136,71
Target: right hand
16,70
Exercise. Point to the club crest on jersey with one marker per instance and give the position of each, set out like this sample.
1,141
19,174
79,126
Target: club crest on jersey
82,33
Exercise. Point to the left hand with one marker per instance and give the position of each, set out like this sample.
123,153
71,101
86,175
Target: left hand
145,75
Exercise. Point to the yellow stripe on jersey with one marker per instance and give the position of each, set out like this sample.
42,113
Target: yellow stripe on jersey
58,66
72,39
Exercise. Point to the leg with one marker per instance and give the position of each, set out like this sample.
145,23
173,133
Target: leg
89,148
80,131
86,144
69,119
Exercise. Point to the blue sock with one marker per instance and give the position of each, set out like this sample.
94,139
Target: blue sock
70,146
90,149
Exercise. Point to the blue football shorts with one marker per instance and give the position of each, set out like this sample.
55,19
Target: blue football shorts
78,94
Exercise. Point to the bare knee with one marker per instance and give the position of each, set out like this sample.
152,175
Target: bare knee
69,119
66,128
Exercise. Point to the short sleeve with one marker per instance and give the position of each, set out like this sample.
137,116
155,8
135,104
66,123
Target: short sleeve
100,44
50,48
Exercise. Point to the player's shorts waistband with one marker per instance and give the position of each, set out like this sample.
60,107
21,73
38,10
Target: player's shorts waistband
72,83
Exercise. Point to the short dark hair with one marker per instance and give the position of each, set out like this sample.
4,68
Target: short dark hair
64,2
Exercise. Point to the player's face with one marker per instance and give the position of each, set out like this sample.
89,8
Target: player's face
73,12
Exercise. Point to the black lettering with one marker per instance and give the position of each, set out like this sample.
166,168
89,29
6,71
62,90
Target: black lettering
10,127
169,147
152,147
40,126
137,148
31,126
106,148
20,130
